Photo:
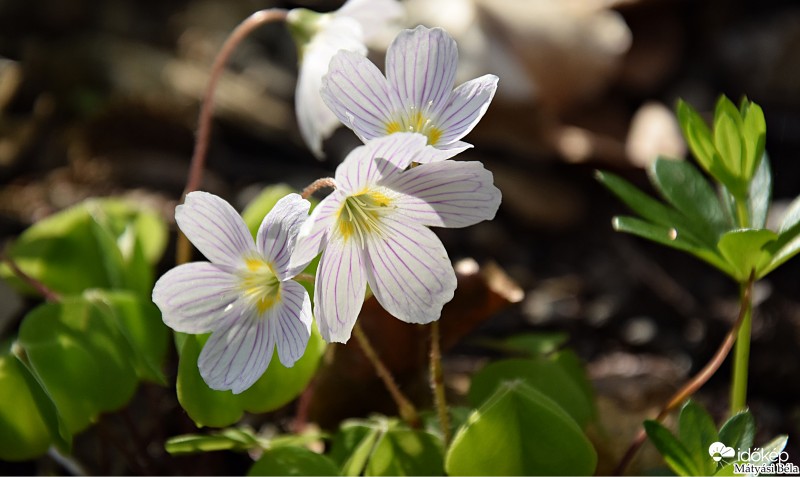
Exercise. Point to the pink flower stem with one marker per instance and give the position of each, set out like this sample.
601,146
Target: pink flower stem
195,178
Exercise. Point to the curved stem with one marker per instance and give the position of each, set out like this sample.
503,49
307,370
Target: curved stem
437,383
700,378
251,23
40,287
407,410
317,185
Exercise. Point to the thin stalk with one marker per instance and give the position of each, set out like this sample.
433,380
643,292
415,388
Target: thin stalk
195,178
741,360
40,287
699,379
437,383
407,410
317,185
742,214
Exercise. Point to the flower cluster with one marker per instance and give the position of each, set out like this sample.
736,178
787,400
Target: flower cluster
371,230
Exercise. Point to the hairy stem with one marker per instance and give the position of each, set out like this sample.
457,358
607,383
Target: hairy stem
437,383
195,178
317,185
700,378
407,410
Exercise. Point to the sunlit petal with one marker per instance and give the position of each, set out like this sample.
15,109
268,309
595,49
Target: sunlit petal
313,234
379,159
292,318
339,289
359,95
193,297
214,227
372,15
446,194
421,66
465,108
278,230
238,353
409,271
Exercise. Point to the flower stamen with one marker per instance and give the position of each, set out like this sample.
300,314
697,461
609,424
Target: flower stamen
360,214
260,284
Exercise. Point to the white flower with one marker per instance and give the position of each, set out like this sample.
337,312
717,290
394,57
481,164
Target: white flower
416,95
320,36
374,229
245,297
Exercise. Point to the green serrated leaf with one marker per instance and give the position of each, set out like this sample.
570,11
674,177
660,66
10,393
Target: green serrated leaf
770,451
675,454
293,461
745,251
683,186
544,374
754,133
738,431
671,238
697,134
520,431
696,431
727,137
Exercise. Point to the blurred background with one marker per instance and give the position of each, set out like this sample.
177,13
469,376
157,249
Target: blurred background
100,98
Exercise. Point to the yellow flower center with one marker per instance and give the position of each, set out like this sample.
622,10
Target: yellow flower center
417,122
360,214
260,284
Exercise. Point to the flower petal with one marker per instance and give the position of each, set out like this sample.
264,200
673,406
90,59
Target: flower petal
379,159
409,271
339,289
421,66
441,152
194,297
373,15
278,232
359,95
313,234
214,227
236,355
446,194
315,119
466,107
292,317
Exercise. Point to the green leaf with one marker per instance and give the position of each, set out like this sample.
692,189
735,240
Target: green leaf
545,375
760,194
744,250
675,454
683,186
229,439
536,344
68,254
788,243
770,451
671,238
140,323
520,431
353,444
406,452
277,387
293,461
727,138
754,133
697,135
697,432
24,433
259,207
82,359
205,406
738,431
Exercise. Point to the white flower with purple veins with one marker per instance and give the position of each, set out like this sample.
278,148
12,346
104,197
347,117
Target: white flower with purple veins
416,95
245,296
319,37
374,229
